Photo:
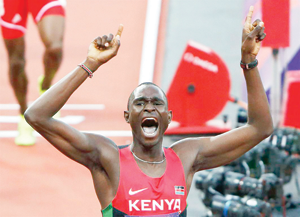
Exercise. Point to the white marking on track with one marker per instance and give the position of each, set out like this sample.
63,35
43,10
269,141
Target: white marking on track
65,107
69,119
106,133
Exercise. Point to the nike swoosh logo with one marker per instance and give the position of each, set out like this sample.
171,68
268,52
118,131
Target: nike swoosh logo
131,192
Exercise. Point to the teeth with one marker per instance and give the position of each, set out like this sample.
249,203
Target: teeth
149,119
148,126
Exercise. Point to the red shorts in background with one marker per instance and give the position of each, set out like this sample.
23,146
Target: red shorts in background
14,14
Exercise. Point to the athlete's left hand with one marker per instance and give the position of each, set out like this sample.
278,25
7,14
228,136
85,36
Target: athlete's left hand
252,35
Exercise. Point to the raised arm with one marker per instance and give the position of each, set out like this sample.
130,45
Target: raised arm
81,147
209,152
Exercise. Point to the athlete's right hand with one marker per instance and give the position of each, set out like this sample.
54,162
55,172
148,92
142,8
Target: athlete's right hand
102,49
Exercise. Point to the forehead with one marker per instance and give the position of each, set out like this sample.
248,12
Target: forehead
148,91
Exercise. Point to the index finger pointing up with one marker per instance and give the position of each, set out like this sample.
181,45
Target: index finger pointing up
120,30
249,15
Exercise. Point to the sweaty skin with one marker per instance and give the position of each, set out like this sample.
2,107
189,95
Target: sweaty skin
148,104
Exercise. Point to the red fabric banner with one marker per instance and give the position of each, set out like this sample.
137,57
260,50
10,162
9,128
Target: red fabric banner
276,16
291,106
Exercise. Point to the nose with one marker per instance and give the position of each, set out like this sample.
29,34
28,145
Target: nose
149,107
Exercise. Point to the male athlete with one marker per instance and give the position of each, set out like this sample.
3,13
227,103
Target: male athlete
145,179
49,17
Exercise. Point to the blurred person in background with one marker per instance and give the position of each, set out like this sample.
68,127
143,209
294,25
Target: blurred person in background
49,16
144,178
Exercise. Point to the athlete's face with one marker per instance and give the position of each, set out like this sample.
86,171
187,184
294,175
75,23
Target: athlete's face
148,114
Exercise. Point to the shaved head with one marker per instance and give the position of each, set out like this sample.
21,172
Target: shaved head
131,97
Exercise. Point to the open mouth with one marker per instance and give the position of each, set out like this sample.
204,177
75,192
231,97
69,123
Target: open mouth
149,126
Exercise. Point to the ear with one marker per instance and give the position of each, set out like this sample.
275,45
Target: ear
170,115
126,116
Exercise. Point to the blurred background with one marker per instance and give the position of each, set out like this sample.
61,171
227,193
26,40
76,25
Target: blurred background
191,48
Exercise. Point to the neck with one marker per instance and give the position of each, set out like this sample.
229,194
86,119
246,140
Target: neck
149,162
148,153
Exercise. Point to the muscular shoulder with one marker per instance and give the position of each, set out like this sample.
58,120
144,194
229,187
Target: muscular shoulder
105,152
105,168
189,151
188,145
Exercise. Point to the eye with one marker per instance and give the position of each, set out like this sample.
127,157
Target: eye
139,103
158,103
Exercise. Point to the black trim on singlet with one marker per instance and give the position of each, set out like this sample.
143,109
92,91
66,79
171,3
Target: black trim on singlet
184,213
123,146
118,213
